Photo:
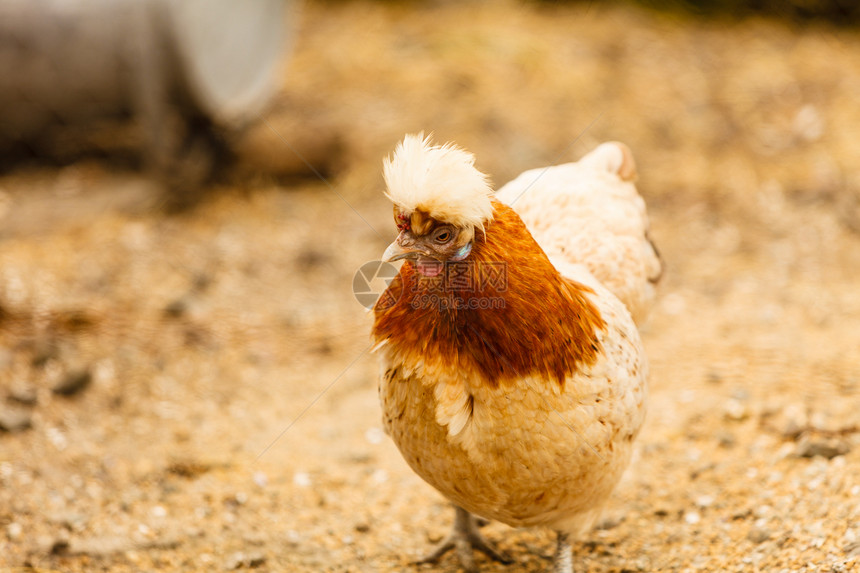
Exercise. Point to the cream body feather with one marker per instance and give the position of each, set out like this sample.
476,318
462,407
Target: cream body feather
590,213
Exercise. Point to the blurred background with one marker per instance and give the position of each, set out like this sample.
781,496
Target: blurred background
187,189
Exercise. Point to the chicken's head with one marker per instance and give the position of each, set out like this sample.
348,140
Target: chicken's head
440,199
428,242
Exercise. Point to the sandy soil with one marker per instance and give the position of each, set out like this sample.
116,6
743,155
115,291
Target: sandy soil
195,392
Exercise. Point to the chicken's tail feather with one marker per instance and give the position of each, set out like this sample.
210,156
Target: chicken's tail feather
613,157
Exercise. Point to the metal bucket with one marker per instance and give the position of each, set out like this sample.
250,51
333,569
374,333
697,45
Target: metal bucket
72,64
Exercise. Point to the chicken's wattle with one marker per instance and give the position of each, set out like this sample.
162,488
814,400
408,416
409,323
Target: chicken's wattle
429,267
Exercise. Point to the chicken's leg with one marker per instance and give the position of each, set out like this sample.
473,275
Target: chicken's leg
463,539
563,560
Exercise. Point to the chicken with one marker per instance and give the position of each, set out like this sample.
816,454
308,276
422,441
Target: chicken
512,378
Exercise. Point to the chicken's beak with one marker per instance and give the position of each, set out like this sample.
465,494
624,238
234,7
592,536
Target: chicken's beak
396,252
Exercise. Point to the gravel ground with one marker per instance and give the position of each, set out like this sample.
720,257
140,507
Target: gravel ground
194,392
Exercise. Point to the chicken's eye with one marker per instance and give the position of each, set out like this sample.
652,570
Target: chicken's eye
443,236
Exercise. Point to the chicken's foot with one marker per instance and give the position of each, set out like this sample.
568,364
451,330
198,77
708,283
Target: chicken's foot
464,539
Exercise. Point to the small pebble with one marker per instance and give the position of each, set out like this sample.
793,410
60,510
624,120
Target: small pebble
735,410
101,546
374,435
23,394
692,517
260,479
762,511
793,421
293,536
59,547
14,530
177,308
158,511
68,519
704,501
786,450
302,479
57,438
242,560
758,534
45,350
740,394
360,457
254,538
610,521
379,476
791,429
828,449
808,124
73,382
726,439
14,419
434,537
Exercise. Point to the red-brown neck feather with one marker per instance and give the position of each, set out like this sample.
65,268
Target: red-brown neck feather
505,312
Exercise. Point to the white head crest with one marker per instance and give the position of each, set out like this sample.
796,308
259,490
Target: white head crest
439,180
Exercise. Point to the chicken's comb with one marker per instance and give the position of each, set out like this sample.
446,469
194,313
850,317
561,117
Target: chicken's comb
402,220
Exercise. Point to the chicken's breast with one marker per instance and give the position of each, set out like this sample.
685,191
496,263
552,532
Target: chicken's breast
531,452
